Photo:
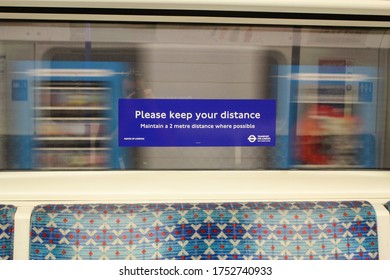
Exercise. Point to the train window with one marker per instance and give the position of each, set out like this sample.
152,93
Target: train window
61,85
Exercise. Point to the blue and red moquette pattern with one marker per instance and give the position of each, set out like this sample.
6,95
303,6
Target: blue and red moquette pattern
247,230
7,220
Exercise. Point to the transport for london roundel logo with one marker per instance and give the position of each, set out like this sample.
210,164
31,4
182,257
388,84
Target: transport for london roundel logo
252,138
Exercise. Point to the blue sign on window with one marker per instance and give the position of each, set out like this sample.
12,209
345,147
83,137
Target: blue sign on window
196,122
365,91
19,90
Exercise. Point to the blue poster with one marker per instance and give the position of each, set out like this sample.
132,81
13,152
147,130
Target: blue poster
196,122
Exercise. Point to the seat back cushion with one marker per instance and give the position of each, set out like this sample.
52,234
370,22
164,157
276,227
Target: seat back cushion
7,220
248,230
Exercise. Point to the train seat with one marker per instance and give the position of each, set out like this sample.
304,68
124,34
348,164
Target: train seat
7,222
334,230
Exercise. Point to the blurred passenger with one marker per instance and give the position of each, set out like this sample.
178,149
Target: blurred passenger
135,87
327,137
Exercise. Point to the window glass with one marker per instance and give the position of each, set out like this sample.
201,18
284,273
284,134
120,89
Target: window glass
61,85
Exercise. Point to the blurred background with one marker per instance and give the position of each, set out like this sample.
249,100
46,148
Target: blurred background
60,85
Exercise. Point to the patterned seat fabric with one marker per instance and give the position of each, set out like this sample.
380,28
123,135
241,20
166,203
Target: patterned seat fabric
250,230
7,218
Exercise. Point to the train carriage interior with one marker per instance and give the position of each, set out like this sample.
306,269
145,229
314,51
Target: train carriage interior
316,187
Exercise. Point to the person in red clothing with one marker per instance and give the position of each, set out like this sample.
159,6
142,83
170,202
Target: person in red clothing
325,136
